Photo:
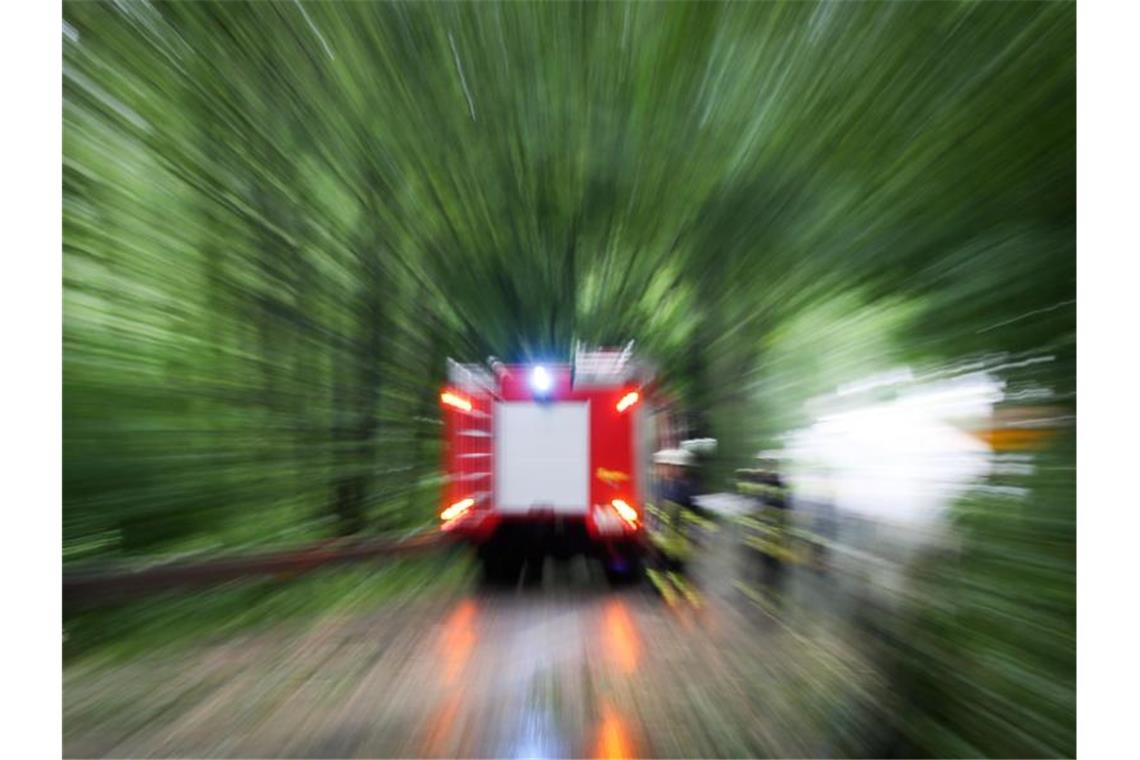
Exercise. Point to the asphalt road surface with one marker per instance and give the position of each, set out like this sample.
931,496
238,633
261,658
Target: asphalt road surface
566,668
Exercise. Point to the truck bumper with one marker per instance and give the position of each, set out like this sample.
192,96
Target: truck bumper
559,537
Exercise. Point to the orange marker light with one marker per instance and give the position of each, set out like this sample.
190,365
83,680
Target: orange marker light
456,509
627,401
625,512
458,402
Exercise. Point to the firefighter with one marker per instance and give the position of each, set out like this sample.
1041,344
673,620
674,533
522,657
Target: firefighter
702,451
669,513
766,531
671,522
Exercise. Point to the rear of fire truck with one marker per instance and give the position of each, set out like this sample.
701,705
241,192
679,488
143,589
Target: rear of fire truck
549,460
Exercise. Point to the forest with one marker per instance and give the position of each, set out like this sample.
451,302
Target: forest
281,218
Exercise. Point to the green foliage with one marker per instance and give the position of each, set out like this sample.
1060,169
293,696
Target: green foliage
279,219
843,338
986,653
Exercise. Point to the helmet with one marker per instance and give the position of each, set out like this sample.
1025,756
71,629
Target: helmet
700,445
678,457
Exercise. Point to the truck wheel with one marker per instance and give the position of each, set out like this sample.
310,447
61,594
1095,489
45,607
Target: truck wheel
624,571
501,569
532,566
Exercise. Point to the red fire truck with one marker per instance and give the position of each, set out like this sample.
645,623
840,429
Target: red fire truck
549,459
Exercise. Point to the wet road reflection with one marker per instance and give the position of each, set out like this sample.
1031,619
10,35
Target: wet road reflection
614,741
572,669
440,726
540,736
622,644
531,675
457,641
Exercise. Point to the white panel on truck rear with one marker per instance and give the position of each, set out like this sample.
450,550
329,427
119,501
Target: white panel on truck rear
542,457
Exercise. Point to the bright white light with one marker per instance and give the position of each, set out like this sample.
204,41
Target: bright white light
627,401
458,402
540,380
902,462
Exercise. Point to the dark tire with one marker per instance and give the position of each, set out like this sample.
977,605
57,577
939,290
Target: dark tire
501,568
624,571
532,568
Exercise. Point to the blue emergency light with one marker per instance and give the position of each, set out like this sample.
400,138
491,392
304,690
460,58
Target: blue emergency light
540,381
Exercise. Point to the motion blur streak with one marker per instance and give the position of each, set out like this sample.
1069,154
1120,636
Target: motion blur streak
458,641
613,737
839,239
620,638
440,727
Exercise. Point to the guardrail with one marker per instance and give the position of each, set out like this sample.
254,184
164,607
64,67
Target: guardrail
91,587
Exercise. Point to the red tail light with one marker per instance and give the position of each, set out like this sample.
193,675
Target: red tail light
625,512
456,509
454,400
627,401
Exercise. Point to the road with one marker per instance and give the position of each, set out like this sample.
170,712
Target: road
569,668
